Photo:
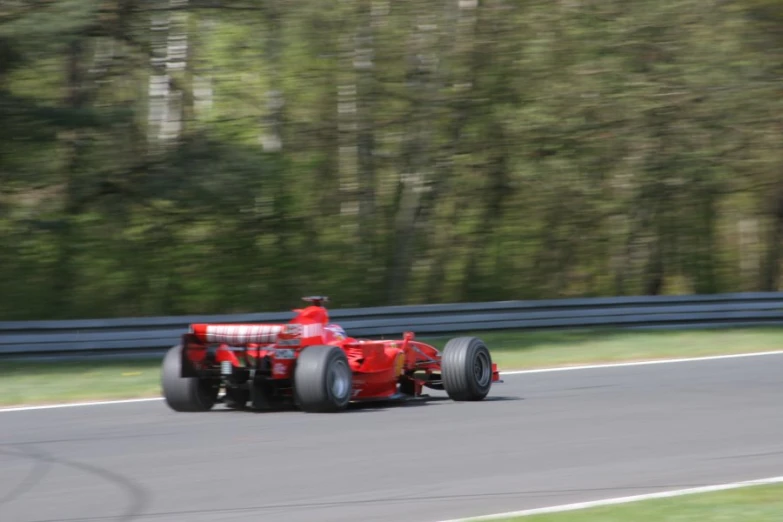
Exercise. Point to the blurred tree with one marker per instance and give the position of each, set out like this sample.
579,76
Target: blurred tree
196,156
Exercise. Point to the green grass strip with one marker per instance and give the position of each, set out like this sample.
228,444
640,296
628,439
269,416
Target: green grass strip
31,382
751,504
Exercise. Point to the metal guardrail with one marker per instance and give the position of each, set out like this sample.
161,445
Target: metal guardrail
155,334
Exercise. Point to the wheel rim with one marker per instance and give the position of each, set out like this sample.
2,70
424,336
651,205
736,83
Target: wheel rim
482,369
339,380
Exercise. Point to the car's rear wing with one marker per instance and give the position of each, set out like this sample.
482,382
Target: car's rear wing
237,334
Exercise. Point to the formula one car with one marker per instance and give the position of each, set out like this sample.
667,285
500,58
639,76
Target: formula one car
313,365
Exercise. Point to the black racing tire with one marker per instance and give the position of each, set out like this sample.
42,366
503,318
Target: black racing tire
466,366
185,394
323,379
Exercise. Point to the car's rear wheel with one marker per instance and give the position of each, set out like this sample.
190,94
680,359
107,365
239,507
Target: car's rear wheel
186,394
323,379
466,366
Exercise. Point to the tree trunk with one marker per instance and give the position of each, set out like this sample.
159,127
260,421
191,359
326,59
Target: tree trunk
364,65
416,177
75,99
167,85
771,271
272,135
346,124
462,77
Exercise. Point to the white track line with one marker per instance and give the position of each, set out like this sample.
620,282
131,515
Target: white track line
502,373
643,363
77,404
622,500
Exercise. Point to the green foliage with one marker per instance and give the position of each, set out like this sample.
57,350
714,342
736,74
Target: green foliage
183,157
756,503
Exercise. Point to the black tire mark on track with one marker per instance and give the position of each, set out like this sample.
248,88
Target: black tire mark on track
378,501
102,438
138,498
36,474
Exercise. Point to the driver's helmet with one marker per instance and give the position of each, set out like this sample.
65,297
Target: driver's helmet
334,332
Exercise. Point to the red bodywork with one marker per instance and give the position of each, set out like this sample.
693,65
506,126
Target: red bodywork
381,368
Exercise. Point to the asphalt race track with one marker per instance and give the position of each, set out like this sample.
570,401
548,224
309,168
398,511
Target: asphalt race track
543,439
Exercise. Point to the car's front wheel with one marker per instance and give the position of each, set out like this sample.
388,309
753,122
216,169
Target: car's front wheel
466,366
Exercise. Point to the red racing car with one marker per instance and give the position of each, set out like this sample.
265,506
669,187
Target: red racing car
313,365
